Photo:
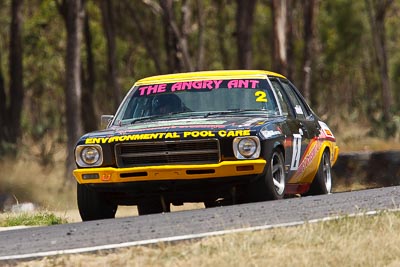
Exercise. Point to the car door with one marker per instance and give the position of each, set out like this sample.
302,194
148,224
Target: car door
301,124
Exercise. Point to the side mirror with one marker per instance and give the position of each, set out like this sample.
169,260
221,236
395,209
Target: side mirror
106,120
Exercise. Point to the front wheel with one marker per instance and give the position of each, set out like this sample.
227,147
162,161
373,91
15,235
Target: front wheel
93,205
272,185
322,183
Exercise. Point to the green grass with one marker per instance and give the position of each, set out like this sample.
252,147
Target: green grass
30,219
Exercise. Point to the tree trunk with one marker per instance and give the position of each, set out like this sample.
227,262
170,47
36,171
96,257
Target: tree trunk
244,31
109,30
201,47
289,36
2,107
88,113
16,77
221,32
178,55
182,36
73,13
279,22
309,9
171,42
377,13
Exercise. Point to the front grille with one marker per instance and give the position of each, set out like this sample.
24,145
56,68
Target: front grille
199,151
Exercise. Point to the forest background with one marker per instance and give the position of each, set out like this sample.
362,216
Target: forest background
63,63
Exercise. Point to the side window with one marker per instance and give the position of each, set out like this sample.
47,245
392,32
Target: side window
299,108
280,96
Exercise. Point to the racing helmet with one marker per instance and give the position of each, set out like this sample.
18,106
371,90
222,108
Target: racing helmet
166,103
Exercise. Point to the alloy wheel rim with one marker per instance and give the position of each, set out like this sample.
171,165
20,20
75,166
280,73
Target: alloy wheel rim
326,170
278,174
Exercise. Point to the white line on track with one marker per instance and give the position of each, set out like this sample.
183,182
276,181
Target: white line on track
181,238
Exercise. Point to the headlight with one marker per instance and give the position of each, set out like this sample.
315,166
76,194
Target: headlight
89,155
246,147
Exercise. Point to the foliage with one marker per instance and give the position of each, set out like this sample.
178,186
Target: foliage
341,61
345,82
44,45
31,219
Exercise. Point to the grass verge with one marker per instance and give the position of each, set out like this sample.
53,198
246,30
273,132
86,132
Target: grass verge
356,241
30,219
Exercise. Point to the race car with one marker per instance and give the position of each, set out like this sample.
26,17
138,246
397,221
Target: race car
217,137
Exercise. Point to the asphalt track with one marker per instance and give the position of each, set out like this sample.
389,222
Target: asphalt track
140,230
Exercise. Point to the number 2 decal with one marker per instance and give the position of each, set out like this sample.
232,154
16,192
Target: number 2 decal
261,96
296,152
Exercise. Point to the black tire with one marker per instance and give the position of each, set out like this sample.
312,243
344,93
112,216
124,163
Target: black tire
272,185
211,204
219,203
93,205
322,183
152,206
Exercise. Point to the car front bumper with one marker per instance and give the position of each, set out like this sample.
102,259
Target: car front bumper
169,172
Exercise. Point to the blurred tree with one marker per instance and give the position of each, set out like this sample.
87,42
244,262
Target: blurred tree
11,109
171,40
309,10
107,11
72,11
150,46
43,117
2,105
88,112
182,35
279,23
200,35
290,69
377,10
342,69
176,42
149,37
244,31
222,18
16,77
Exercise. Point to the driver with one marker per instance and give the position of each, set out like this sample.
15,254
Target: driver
165,104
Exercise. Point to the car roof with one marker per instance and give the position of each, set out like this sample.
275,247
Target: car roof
206,75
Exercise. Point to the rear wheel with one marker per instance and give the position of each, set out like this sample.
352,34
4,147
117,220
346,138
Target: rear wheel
322,183
93,205
272,185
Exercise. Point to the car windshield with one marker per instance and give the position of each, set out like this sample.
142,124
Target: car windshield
197,98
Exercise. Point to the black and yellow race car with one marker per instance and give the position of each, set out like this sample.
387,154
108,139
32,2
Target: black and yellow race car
218,137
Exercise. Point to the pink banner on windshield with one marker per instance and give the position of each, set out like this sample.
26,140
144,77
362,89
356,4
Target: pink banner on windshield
197,85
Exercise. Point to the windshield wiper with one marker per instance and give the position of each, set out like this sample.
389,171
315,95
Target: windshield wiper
159,116
147,118
219,113
234,111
